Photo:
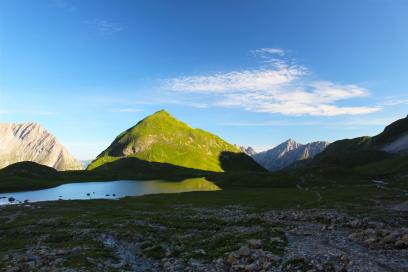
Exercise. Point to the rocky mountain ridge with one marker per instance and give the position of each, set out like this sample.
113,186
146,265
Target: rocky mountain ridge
287,153
32,142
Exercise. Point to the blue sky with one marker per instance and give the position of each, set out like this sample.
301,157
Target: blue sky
254,72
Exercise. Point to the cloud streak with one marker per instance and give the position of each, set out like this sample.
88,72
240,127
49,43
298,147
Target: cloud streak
247,80
280,88
64,5
104,27
266,52
392,101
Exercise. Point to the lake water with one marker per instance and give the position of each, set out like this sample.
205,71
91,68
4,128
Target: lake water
108,190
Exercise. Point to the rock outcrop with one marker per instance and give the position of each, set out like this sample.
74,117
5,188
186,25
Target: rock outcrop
32,142
247,150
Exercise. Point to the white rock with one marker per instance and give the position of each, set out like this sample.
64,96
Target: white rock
32,142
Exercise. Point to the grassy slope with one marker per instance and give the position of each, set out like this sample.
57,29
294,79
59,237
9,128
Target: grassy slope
162,138
397,165
29,176
391,133
95,215
362,150
192,222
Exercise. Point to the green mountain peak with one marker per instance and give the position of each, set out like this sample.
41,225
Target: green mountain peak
162,138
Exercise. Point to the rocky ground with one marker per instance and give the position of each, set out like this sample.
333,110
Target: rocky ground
185,238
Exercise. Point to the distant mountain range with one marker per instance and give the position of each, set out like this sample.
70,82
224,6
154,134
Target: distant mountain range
162,138
32,142
160,141
287,153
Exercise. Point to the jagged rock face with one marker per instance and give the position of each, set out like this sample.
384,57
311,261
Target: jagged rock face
287,153
247,150
32,142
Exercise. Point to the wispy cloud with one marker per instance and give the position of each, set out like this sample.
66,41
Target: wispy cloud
64,4
104,27
394,101
268,52
280,88
247,80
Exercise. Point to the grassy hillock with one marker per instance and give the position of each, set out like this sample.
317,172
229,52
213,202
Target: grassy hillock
162,138
29,175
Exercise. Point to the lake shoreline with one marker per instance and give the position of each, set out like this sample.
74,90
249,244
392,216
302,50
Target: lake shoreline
106,190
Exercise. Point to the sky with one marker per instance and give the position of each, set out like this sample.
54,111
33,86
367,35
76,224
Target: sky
254,72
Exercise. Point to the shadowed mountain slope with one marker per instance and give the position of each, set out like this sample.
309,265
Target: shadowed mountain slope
393,141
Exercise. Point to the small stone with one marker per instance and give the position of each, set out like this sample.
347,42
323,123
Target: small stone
251,267
344,258
238,267
369,241
60,252
167,265
389,239
355,223
244,251
400,244
276,240
369,231
354,236
232,259
273,258
266,265
76,250
254,243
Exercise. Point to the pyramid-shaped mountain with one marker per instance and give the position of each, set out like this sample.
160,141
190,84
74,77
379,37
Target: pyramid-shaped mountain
162,138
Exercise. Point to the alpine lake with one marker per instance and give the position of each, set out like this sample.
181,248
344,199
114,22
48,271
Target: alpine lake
107,190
